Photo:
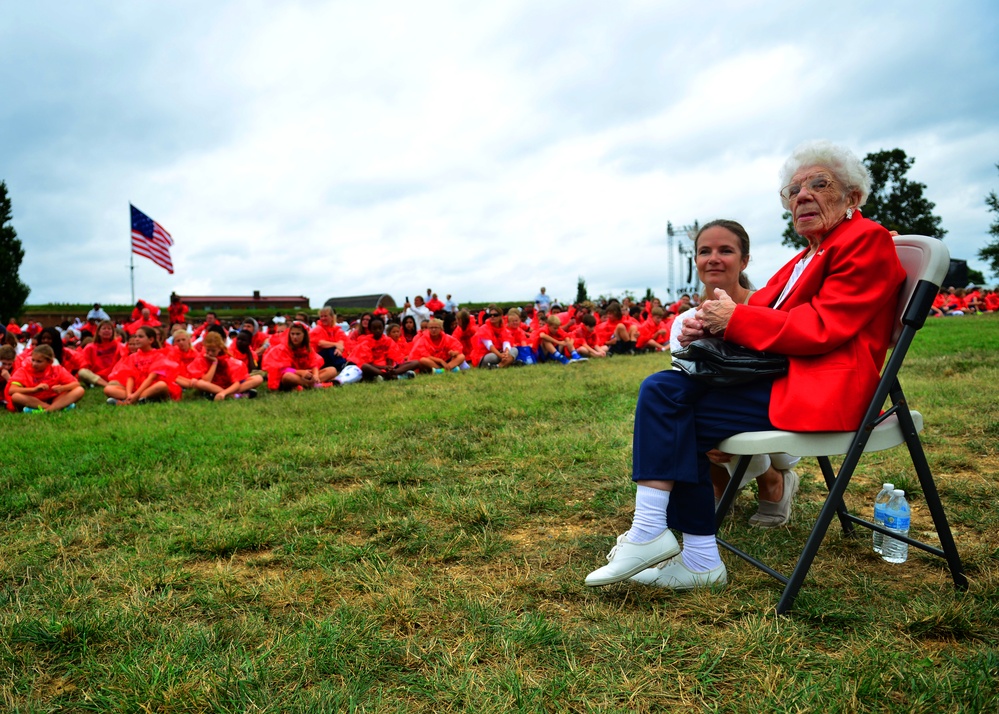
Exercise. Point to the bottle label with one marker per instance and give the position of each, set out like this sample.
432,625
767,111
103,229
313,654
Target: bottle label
899,523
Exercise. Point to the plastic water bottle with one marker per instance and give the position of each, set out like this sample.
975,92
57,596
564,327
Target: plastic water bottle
880,502
896,521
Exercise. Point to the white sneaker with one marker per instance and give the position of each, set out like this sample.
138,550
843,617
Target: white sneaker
627,558
674,575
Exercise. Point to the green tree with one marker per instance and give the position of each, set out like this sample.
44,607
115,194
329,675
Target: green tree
13,292
895,202
581,290
990,253
791,237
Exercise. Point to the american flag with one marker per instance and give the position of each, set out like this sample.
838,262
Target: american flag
149,239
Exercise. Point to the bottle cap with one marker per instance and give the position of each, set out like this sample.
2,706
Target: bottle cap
888,486
898,492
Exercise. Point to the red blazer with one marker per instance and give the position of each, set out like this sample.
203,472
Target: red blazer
835,326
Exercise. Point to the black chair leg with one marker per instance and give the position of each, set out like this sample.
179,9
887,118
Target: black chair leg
731,490
830,477
933,502
832,505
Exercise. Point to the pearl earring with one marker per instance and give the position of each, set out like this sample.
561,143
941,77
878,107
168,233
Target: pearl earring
849,213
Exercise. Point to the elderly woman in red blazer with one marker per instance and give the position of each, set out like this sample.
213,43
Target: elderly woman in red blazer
830,310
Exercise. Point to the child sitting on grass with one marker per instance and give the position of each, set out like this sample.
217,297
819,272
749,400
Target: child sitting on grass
435,351
653,334
464,332
144,375
242,349
183,353
491,344
585,338
553,344
43,386
292,364
329,342
100,356
7,356
519,338
379,357
218,375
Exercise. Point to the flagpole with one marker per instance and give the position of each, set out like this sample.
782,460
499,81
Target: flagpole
131,260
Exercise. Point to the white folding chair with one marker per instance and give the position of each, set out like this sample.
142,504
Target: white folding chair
925,261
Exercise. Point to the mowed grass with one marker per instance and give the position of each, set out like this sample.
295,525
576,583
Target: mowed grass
421,546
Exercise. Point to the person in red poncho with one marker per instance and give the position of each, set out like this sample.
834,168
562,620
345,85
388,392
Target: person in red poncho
218,375
653,334
184,354
292,363
552,343
7,355
100,356
177,311
144,375
42,385
585,338
328,340
519,338
377,355
465,332
435,351
617,330
434,304
491,345
141,305
146,319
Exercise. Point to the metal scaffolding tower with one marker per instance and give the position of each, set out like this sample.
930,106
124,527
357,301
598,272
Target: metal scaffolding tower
682,275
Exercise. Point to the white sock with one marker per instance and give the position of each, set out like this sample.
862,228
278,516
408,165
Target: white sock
700,553
650,514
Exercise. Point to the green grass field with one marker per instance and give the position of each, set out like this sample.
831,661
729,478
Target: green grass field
421,546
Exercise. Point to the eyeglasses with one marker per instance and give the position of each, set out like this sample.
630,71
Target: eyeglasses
816,184
495,314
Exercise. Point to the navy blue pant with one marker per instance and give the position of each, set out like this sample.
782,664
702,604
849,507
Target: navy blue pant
677,421
332,358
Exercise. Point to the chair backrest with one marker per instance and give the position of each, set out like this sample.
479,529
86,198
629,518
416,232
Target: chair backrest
923,259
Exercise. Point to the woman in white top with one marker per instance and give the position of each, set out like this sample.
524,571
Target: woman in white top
721,251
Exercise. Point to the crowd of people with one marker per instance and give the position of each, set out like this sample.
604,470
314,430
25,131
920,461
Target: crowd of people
157,355
964,301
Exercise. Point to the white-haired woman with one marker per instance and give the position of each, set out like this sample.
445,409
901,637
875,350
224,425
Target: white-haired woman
830,310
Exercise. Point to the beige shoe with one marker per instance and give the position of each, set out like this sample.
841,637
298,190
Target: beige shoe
770,514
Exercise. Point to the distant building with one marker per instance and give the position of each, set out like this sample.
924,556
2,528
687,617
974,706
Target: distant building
240,302
361,301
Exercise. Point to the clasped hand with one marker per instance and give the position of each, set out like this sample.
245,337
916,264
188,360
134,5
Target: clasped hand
711,318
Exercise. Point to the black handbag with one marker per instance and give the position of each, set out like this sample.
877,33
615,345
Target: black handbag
723,364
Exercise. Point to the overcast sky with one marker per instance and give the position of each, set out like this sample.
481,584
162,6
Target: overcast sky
327,148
